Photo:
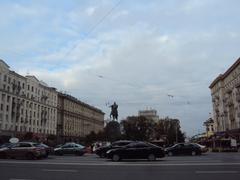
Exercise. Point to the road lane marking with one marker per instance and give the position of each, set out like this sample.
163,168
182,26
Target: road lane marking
119,164
19,179
216,172
60,170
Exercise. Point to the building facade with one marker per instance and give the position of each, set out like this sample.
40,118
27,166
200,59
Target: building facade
26,104
77,119
225,91
149,114
209,124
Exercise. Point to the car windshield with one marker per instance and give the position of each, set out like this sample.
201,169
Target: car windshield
40,145
152,145
6,145
79,145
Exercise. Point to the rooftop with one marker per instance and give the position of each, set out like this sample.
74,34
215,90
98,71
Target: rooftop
80,102
223,76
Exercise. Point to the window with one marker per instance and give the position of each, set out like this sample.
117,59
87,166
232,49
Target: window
3,97
5,78
67,146
8,99
25,145
9,80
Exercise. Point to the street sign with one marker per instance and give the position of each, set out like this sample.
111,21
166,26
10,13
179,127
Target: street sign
233,143
14,140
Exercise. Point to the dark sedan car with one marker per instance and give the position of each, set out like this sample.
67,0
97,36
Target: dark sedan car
183,149
136,150
101,152
70,148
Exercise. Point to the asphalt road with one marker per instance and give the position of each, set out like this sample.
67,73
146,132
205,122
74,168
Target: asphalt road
89,167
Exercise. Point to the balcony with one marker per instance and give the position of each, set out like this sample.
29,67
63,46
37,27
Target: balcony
238,97
232,118
229,102
24,95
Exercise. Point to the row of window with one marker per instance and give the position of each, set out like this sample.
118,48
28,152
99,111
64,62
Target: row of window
25,129
12,81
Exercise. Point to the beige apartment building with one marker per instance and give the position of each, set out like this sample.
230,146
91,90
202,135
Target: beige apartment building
26,104
77,119
225,91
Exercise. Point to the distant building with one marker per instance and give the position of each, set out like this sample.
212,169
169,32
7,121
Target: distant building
26,104
149,114
77,119
225,91
209,124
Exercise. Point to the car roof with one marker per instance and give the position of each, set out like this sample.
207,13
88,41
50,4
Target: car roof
122,141
27,142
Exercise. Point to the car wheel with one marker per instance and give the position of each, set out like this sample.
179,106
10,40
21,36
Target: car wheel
3,155
170,154
58,153
151,157
79,153
194,153
116,158
30,156
102,155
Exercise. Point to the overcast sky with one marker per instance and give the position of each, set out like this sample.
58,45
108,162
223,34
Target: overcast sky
132,52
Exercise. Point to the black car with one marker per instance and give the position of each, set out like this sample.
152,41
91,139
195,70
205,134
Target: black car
70,148
183,149
101,152
136,150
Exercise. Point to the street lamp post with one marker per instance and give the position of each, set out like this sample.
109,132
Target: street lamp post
176,133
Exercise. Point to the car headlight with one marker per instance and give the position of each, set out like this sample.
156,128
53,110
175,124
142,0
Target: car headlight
109,151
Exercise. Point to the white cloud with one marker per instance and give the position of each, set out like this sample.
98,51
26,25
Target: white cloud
122,13
90,11
136,57
193,5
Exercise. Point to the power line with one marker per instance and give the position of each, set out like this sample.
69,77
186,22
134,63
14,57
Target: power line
96,25
101,20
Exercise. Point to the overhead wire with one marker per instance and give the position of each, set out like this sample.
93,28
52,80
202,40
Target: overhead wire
101,20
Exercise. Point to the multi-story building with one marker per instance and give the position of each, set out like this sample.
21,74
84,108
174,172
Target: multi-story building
26,104
77,119
225,91
149,114
209,124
